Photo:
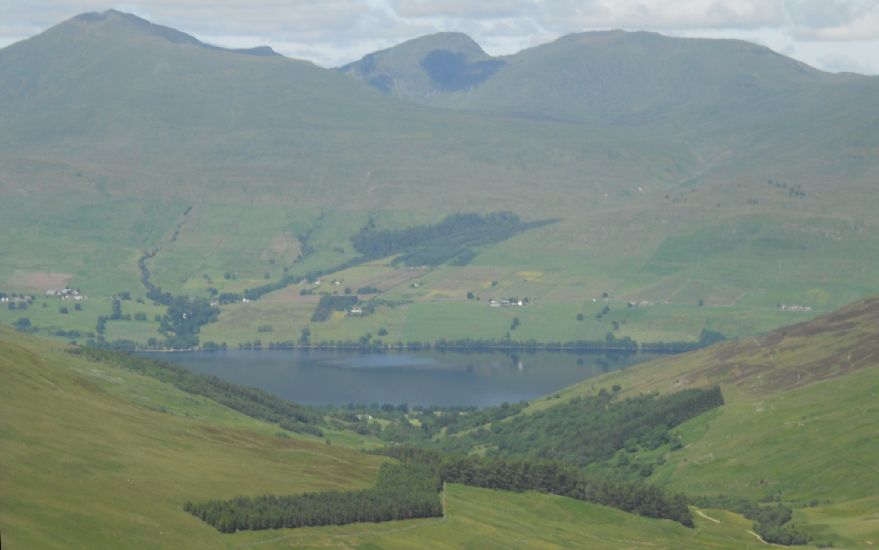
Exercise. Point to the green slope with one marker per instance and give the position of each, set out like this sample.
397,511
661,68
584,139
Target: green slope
662,83
96,456
799,421
479,518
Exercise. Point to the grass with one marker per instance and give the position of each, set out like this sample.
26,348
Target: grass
798,421
134,449
740,263
94,456
736,300
480,518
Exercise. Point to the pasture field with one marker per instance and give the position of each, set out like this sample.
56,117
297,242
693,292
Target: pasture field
740,267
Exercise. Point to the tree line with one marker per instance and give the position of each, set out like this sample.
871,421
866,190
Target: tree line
450,240
402,491
590,429
548,476
411,488
249,401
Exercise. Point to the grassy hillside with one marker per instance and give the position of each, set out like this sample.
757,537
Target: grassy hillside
92,455
697,170
798,423
98,456
479,518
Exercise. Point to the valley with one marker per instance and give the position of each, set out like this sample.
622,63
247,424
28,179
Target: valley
614,290
790,403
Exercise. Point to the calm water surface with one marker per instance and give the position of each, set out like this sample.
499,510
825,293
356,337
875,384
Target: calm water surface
322,377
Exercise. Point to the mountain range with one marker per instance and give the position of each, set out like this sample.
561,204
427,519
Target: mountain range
742,176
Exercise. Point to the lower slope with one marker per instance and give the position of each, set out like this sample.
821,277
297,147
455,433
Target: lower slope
482,518
96,456
798,424
84,466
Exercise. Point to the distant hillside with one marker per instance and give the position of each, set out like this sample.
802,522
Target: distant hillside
611,77
681,171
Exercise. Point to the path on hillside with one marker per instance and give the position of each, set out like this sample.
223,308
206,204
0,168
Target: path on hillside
706,516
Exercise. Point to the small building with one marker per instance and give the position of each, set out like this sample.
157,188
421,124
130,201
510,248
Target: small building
794,307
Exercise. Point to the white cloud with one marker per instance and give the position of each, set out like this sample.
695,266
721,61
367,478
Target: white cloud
463,8
333,32
664,14
834,19
857,23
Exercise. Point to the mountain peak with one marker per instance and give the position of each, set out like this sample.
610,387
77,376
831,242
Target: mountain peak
118,21
111,19
453,41
425,66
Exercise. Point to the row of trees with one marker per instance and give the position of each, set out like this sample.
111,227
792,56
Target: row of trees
614,345
410,490
452,239
403,491
565,480
153,292
250,401
590,429
549,476
448,240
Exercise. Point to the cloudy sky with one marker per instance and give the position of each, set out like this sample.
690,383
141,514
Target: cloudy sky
834,35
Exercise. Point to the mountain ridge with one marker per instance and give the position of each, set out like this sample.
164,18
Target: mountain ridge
737,201
610,75
116,17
